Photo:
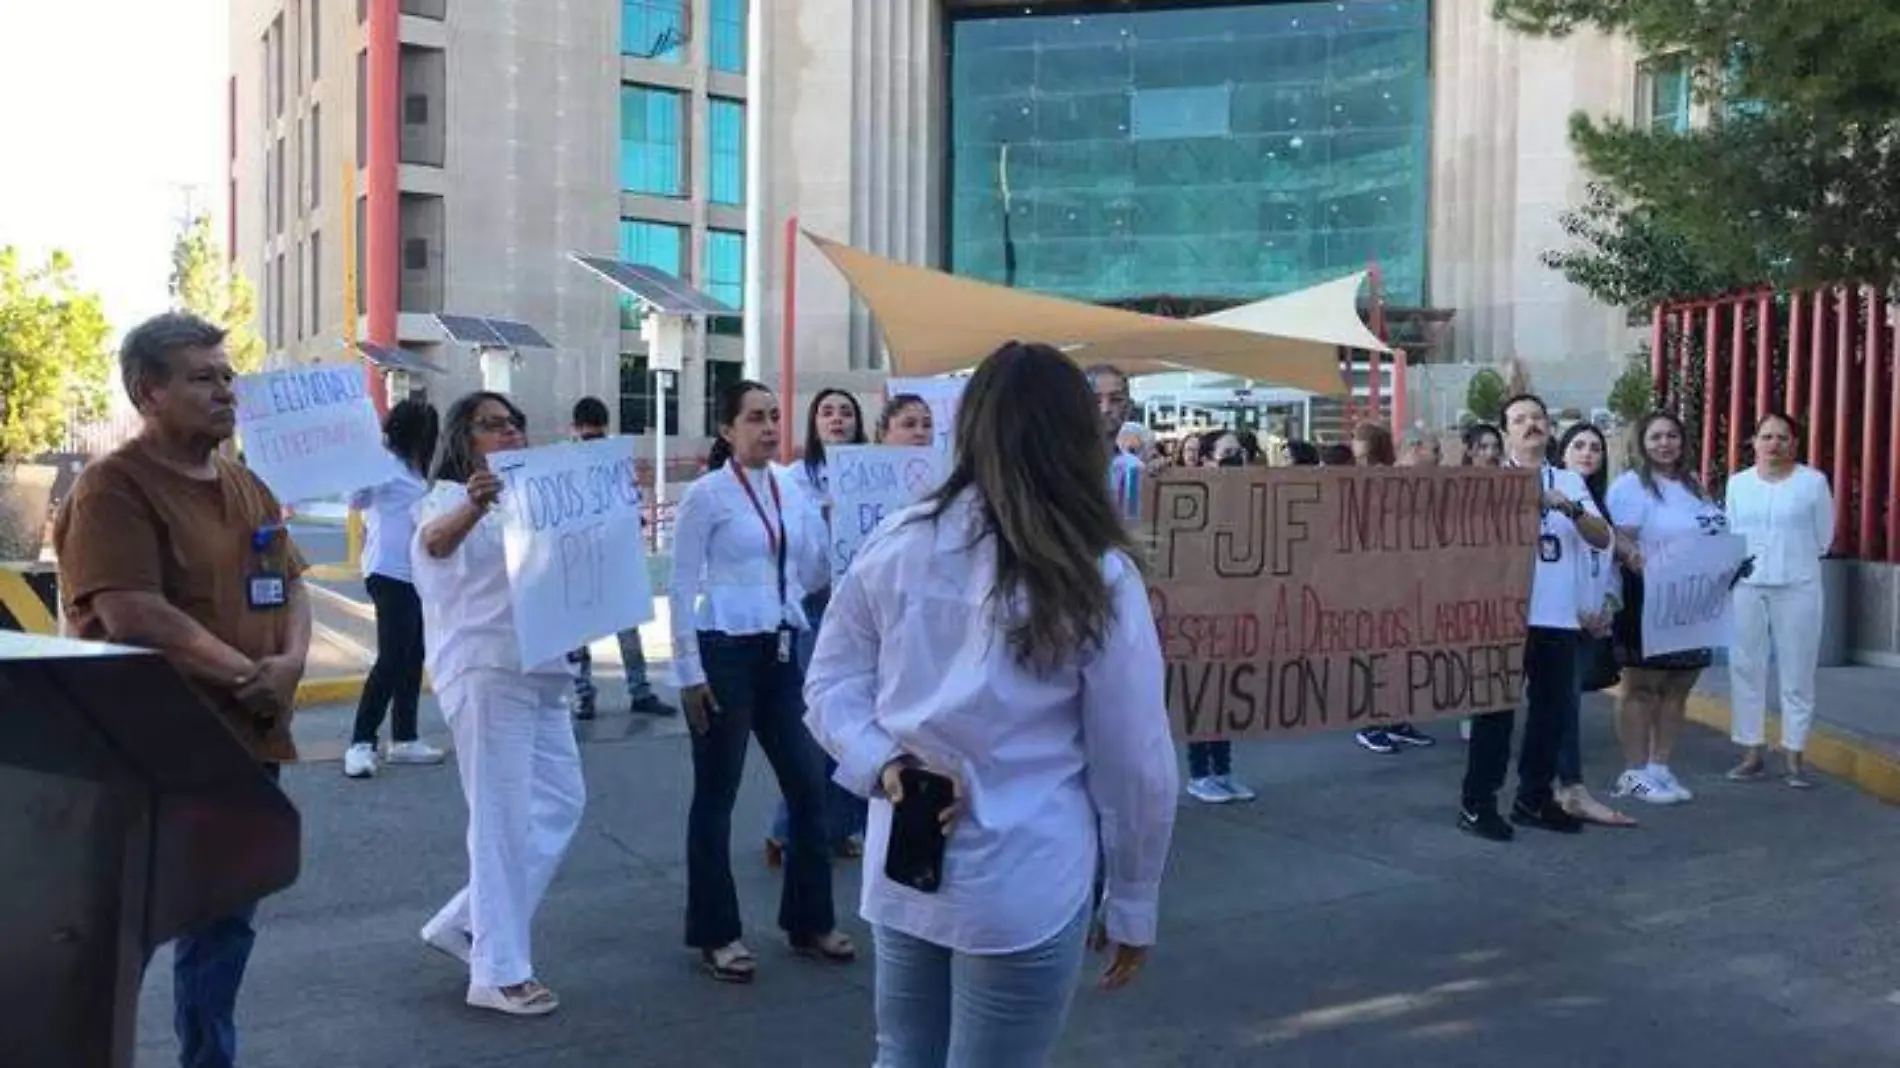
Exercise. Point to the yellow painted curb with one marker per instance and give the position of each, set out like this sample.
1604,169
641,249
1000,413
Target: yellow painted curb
1868,768
339,689
333,572
24,603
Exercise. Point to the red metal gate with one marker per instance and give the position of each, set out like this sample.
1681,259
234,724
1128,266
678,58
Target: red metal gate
1825,357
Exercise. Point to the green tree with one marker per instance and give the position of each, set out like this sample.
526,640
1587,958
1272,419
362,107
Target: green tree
1796,182
203,283
1633,394
1485,395
1626,258
54,358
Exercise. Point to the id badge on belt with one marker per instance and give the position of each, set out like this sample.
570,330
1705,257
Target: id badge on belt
265,588
785,645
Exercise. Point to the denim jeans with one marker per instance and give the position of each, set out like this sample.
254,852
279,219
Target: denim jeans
208,965
395,681
632,657
845,812
1210,758
755,694
937,1008
1551,695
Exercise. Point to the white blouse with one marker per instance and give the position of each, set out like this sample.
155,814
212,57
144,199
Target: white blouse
468,619
1789,525
725,572
1053,766
389,523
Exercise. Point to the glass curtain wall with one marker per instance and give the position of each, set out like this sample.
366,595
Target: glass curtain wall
1218,151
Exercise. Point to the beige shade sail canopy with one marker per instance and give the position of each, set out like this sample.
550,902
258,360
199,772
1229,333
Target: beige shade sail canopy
1326,312
935,323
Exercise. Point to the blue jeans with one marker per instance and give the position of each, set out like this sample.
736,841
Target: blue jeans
1210,758
845,812
937,1008
631,655
207,969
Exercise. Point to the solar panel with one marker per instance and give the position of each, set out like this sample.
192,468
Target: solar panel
655,287
469,330
395,359
519,335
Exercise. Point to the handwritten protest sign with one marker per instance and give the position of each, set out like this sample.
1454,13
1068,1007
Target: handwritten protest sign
312,432
1292,600
943,395
571,527
1686,582
869,482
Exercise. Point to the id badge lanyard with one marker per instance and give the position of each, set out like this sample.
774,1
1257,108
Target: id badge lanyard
266,588
775,539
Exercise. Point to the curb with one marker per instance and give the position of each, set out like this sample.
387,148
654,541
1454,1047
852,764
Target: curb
1869,768
337,689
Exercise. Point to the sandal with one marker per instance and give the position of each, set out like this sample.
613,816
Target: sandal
1580,804
530,998
851,848
833,946
731,963
1797,776
1748,771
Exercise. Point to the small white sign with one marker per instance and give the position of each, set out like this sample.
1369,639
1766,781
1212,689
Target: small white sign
869,482
312,432
1687,601
577,567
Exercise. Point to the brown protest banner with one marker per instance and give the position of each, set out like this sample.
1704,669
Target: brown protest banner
1293,600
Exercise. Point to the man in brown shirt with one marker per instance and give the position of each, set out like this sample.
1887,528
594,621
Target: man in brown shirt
168,545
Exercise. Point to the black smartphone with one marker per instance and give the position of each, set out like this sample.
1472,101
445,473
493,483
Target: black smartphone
914,855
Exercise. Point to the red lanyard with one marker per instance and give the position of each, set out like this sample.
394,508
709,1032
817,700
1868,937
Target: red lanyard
771,536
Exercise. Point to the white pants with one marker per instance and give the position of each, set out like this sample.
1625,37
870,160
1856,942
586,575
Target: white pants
521,777
1786,620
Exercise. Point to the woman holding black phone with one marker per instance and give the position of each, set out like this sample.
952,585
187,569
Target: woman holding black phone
1017,680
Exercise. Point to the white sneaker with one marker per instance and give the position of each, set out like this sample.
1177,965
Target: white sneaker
1636,783
359,761
1209,791
1237,790
416,752
1663,777
1464,729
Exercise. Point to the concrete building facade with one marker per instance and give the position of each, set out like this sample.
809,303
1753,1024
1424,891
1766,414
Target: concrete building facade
455,154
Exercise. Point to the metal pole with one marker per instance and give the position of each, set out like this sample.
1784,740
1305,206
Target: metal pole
788,344
757,240
660,380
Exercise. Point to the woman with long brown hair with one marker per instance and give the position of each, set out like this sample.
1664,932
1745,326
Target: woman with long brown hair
1659,502
1022,663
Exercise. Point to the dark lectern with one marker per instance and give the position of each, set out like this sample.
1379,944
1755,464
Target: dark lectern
128,813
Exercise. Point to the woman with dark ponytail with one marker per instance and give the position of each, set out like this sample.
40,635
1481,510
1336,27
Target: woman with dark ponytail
746,549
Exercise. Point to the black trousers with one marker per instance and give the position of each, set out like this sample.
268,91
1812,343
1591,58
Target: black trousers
396,679
1552,692
757,694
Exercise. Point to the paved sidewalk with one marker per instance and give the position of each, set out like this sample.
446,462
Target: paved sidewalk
1856,733
1340,920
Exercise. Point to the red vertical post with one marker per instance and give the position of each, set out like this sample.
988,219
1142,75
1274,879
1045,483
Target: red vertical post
1871,373
1842,462
1737,382
382,210
1797,354
1893,438
1764,358
1817,378
788,344
1401,399
1711,385
1658,360
1376,278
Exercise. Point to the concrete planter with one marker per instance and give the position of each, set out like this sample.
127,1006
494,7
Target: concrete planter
26,492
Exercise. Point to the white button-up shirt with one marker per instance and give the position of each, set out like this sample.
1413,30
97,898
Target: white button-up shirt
725,570
911,659
468,619
389,523
1789,525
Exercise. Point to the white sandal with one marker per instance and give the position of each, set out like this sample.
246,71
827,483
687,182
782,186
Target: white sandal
531,998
